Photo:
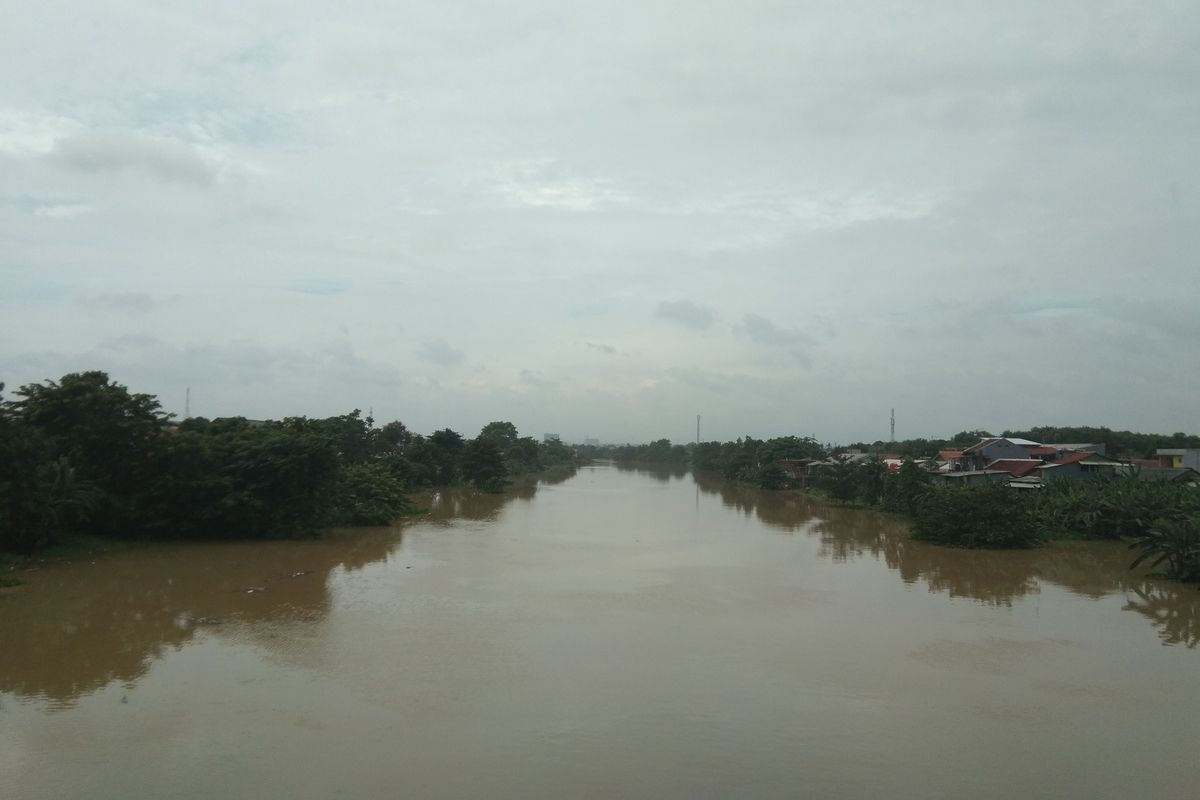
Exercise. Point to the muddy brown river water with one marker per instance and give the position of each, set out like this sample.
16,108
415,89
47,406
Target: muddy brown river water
617,634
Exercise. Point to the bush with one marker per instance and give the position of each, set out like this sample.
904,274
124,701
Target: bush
370,494
1173,542
1112,508
989,516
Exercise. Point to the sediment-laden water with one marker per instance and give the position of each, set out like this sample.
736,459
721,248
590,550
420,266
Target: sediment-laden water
617,634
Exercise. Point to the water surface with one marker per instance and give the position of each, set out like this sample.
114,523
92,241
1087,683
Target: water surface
617,634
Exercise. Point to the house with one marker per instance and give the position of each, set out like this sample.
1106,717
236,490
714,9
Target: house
1083,465
994,448
971,477
1170,474
1016,467
1177,458
1098,448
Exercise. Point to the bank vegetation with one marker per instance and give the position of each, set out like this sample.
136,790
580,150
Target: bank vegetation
1160,521
84,456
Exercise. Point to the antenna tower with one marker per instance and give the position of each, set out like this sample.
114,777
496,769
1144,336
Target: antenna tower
697,429
893,425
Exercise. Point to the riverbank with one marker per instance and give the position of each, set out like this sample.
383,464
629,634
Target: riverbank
77,547
591,632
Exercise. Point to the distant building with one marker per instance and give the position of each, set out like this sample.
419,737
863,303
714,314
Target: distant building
1091,447
1170,474
1016,467
1079,466
976,457
971,477
1178,458
551,437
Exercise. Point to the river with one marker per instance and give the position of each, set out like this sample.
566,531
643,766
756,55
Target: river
619,633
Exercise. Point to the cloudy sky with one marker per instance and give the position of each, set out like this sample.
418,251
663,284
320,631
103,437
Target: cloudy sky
601,219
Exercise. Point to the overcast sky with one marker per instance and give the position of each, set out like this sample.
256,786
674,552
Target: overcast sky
601,219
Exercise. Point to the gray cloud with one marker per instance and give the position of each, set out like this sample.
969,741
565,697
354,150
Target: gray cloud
762,330
983,202
113,150
686,313
126,302
536,378
438,351
319,286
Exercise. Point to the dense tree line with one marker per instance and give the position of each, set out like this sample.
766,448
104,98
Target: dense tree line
1122,444
84,454
748,460
1126,444
1159,519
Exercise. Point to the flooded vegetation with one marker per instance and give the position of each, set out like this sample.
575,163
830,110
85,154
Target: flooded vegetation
606,632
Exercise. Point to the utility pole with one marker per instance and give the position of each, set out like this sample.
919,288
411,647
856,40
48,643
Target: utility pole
697,429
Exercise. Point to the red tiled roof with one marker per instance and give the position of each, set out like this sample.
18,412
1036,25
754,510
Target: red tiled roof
1074,457
948,454
1041,451
1015,466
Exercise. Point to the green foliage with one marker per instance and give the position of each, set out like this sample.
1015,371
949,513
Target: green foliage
841,481
660,451
556,454
1119,443
524,456
854,483
370,494
754,461
84,455
265,481
484,464
905,489
1111,508
447,457
987,516
1173,542
110,437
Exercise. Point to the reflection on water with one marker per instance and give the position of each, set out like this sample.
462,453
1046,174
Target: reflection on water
658,472
87,625
1175,613
80,626
613,634
1091,569
75,628
447,505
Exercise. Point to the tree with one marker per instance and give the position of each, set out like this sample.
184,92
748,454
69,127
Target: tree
447,454
370,494
987,516
111,438
483,465
394,436
502,434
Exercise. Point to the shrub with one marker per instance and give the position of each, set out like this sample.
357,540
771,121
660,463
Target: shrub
370,494
1173,542
989,516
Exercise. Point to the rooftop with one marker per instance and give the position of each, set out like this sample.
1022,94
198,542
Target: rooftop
1016,466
